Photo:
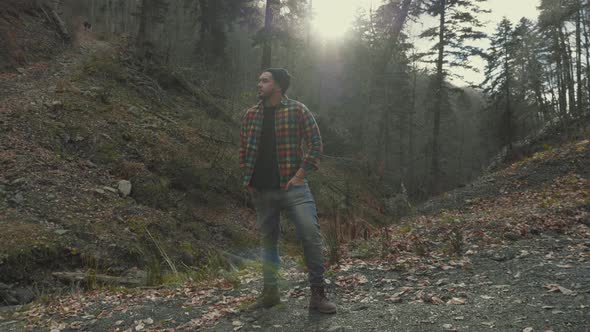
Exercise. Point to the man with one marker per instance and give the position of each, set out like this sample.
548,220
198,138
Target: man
274,168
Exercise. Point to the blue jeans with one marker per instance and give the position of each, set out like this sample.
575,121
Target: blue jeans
299,205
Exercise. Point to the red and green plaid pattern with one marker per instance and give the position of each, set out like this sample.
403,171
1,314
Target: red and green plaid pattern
294,124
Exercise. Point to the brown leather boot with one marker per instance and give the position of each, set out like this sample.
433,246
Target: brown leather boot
269,298
320,302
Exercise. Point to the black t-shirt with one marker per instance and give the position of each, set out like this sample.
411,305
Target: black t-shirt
266,170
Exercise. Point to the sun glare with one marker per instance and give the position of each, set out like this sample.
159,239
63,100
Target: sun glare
333,18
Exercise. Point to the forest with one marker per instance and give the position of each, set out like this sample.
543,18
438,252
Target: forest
452,192
384,104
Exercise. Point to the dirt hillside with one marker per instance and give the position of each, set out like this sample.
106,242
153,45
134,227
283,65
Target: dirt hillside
109,171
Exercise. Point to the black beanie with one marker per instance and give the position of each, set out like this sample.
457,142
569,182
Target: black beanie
281,76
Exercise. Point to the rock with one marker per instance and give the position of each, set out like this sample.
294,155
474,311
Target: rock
24,295
21,70
96,89
18,198
124,188
65,137
61,231
7,298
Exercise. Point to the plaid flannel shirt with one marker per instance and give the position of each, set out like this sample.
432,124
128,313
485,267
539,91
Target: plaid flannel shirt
294,123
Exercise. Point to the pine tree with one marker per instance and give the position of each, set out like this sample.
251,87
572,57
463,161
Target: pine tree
555,19
270,12
458,24
391,86
499,73
528,73
216,18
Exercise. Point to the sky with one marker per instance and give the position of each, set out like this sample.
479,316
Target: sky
333,17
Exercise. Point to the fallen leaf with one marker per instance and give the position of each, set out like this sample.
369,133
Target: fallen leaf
77,325
456,300
557,288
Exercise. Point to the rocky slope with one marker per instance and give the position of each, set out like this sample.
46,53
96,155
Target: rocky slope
113,168
515,260
104,168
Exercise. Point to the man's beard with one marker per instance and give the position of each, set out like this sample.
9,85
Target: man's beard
262,96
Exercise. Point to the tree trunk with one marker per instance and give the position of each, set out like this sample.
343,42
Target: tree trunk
268,29
566,52
587,46
561,88
412,110
579,58
508,109
435,163
309,18
151,13
380,85
396,30
552,77
89,278
141,34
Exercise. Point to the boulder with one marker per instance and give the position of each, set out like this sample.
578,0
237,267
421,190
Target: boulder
124,187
